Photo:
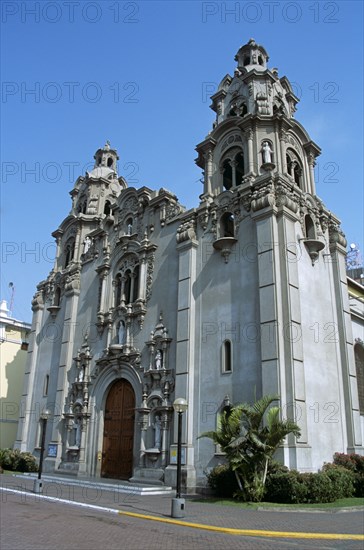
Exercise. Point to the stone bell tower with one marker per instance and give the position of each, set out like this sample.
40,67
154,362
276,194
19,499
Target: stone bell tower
283,259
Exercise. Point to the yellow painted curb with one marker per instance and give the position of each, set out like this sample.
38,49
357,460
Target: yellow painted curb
249,532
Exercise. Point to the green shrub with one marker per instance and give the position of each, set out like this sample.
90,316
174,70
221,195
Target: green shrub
342,479
222,481
17,461
319,487
354,463
285,487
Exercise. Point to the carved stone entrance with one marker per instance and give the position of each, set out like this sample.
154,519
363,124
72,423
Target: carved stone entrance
117,456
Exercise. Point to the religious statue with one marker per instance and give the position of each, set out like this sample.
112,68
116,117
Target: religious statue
267,153
121,333
86,244
77,428
157,432
81,374
158,360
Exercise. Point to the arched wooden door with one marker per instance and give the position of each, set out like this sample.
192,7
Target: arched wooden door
117,455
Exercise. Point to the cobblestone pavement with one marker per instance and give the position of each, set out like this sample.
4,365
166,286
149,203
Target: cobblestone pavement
30,522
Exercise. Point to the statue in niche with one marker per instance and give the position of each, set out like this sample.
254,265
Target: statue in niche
130,228
157,432
86,244
158,360
81,374
77,429
267,153
121,333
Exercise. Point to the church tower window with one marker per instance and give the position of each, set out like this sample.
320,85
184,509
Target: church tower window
227,225
294,167
127,286
309,228
227,180
239,159
107,208
69,251
226,356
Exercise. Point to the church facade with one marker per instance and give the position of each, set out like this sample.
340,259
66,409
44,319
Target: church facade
242,296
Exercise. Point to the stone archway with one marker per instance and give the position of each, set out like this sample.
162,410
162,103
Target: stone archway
118,437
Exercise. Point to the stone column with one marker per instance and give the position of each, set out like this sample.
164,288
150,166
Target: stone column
280,320
185,357
208,172
142,278
250,151
283,152
29,411
345,339
233,169
72,292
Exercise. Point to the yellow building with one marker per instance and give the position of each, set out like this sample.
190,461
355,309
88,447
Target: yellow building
13,354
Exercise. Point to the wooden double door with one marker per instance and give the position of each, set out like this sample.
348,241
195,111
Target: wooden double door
117,455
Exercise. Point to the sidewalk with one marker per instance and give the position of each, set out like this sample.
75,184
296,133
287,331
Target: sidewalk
115,497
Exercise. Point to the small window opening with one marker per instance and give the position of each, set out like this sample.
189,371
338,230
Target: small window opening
239,168
226,358
244,110
129,226
57,296
110,162
46,384
227,175
107,208
309,228
227,225
246,61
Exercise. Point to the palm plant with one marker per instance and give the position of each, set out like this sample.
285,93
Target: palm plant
249,443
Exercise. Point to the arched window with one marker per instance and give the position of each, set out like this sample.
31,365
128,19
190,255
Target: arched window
129,226
227,175
82,205
239,159
69,251
127,286
57,296
359,365
294,167
110,162
227,365
107,208
243,109
118,290
309,228
246,60
227,225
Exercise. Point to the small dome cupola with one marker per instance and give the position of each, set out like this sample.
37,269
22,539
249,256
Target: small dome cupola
106,157
252,56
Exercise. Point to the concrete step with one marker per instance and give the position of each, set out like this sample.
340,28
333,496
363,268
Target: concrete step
104,485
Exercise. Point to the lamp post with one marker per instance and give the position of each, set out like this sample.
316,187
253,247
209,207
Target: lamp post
38,487
180,406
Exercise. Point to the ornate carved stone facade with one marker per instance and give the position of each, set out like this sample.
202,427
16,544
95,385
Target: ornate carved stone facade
145,298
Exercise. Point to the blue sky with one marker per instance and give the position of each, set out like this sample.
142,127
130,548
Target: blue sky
140,74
